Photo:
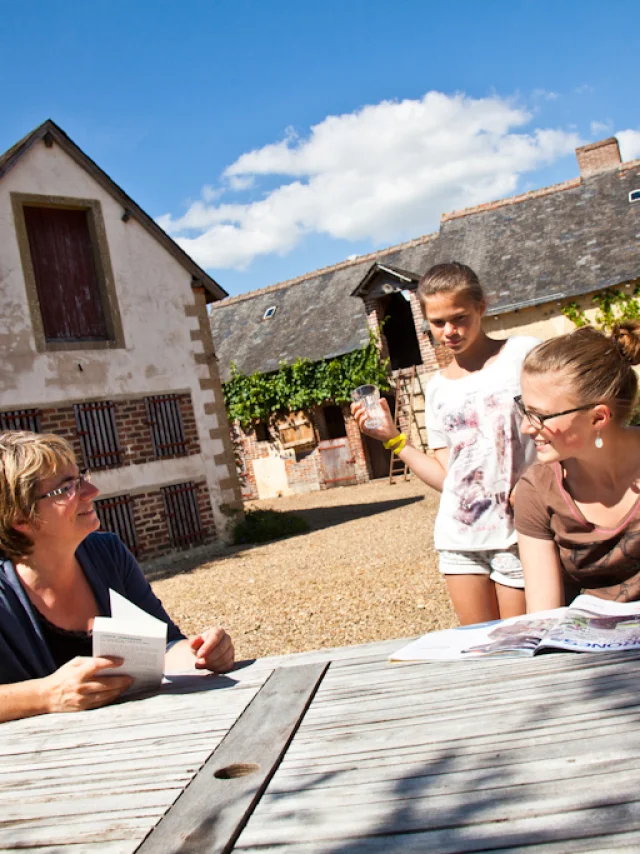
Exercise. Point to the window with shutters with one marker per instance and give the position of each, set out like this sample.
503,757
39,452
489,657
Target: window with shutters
67,272
96,425
20,419
116,516
181,507
165,421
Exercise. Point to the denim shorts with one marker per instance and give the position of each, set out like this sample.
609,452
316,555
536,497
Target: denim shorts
501,565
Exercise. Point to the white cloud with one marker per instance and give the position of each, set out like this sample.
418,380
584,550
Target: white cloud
383,173
629,141
211,194
544,95
600,128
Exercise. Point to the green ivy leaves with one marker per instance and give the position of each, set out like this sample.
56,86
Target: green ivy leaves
303,384
613,305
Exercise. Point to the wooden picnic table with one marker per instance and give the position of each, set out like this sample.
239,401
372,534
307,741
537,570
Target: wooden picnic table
339,751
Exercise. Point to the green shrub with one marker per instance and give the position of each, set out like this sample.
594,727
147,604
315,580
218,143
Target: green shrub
260,526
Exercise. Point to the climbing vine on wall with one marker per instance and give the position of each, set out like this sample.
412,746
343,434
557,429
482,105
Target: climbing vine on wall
258,397
614,306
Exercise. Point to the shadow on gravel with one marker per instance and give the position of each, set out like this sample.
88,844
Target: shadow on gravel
327,517
317,518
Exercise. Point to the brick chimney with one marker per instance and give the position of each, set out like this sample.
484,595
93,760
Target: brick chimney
598,157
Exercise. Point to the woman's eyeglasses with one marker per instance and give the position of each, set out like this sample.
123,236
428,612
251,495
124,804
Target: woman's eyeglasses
67,492
536,420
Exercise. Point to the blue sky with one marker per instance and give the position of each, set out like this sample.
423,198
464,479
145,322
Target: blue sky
272,138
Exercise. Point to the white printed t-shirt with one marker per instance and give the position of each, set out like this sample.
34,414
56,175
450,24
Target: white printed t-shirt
476,419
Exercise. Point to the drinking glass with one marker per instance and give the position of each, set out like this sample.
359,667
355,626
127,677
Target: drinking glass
369,396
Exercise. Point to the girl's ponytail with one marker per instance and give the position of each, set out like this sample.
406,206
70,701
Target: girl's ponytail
626,337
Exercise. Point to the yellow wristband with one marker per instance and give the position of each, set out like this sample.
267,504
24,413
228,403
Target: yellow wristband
391,443
400,446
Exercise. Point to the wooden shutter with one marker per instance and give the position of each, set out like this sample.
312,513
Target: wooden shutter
21,419
296,430
181,507
96,425
65,274
167,430
116,516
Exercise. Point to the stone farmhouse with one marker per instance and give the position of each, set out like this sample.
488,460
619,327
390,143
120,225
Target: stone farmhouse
534,253
105,339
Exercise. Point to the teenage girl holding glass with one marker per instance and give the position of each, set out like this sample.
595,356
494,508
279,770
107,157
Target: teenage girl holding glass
478,452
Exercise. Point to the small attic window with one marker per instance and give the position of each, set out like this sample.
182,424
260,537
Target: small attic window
269,312
634,196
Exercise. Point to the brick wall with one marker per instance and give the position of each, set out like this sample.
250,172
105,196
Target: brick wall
62,422
152,526
357,446
134,430
598,156
136,444
132,424
305,473
375,316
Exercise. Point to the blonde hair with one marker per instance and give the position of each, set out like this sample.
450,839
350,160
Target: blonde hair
597,366
25,459
446,278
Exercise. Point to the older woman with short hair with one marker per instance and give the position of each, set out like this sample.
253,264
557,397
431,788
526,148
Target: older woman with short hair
55,576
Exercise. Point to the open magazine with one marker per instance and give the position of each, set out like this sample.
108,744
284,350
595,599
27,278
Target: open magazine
589,624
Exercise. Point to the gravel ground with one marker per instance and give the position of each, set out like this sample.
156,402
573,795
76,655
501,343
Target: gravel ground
366,571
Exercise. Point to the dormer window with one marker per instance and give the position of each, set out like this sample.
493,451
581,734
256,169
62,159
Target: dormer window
634,196
269,312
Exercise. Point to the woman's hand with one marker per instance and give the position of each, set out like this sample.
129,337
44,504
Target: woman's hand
386,431
79,685
213,650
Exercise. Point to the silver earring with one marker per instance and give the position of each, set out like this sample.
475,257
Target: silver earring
599,443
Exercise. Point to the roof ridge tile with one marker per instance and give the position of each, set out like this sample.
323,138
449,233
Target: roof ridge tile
572,183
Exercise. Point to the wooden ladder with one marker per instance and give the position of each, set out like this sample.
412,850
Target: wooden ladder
403,397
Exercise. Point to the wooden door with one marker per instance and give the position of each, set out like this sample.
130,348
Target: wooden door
337,462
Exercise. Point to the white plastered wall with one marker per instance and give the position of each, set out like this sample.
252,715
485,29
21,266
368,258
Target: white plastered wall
152,291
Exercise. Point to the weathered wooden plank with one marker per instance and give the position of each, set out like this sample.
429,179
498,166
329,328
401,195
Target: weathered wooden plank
382,762
120,749
412,741
83,834
23,786
167,746
451,823
57,808
213,810
477,687
382,787
96,848
362,773
115,770
136,712
608,843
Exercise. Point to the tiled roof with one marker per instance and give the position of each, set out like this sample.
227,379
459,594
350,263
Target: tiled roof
316,315
555,243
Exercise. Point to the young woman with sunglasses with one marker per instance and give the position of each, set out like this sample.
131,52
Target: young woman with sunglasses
55,576
577,510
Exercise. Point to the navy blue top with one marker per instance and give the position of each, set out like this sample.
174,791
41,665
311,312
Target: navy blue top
106,563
